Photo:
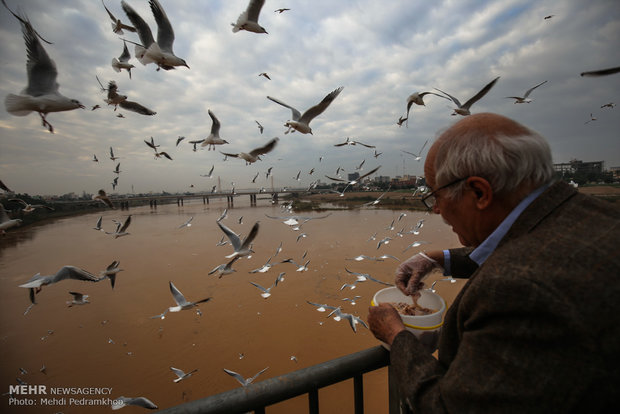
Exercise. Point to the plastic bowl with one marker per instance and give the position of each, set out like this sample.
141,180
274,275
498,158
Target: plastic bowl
425,327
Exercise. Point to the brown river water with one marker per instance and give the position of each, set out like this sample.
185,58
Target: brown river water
113,345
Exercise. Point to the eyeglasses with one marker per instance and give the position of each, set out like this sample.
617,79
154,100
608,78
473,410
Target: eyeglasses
430,199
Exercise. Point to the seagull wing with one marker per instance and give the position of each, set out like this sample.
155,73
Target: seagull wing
319,108
41,69
256,375
253,9
365,145
480,94
150,144
368,173
136,107
177,295
335,179
265,148
527,93
179,373
296,113
143,29
125,56
250,237
237,376
602,72
125,224
138,401
165,34
456,101
215,127
72,272
232,236
260,287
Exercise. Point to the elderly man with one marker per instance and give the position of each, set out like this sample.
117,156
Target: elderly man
536,326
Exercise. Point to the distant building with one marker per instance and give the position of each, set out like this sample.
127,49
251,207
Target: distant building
615,172
579,167
382,179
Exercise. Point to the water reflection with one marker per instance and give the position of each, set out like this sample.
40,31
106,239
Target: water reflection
113,342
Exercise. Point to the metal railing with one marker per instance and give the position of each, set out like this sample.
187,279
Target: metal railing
256,397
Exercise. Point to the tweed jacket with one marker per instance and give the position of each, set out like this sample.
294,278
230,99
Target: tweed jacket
536,328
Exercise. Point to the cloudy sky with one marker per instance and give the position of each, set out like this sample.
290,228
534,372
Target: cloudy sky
380,52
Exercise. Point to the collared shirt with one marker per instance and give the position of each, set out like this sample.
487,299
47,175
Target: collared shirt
488,246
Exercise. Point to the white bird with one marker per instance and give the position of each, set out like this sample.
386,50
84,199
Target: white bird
41,94
102,196
248,20
181,375
223,215
266,291
254,155
300,267
122,62
182,303
417,156
111,271
224,269
29,208
143,402
214,137
353,320
301,122
188,223
352,300
418,99
78,299
323,307
66,272
244,382
98,225
363,277
117,25
524,99
350,142
385,240
268,265
241,248
356,180
415,244
260,127
112,156
210,173
121,228
161,315
464,109
149,51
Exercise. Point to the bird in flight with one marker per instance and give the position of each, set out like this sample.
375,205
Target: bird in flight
254,155
464,108
301,122
524,98
41,95
248,20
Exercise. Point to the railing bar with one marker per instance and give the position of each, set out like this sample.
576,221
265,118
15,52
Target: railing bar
358,393
313,401
260,410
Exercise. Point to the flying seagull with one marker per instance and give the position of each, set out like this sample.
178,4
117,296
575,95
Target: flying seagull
301,122
226,268
117,25
417,156
464,109
181,375
265,75
143,402
182,303
248,20
78,299
349,141
602,72
214,137
244,382
254,155
6,222
357,180
110,272
136,107
102,196
418,99
260,127
241,248
66,272
122,62
41,94
524,99
149,51
29,208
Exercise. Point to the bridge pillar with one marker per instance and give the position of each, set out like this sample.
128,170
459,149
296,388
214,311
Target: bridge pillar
230,199
252,199
205,200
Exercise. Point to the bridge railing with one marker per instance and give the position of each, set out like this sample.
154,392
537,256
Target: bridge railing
256,397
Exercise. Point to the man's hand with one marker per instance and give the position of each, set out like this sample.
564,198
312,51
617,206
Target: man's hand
384,322
411,272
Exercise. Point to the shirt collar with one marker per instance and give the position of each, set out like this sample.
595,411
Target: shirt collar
488,246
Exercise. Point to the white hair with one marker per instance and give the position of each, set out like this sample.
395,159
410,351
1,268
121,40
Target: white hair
508,163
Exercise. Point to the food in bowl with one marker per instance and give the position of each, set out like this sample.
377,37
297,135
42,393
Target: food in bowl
411,309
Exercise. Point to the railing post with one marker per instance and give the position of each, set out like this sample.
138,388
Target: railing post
313,401
358,393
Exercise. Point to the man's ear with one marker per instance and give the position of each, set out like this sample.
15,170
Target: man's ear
482,191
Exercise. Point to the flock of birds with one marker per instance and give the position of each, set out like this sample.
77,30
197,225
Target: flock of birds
42,96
